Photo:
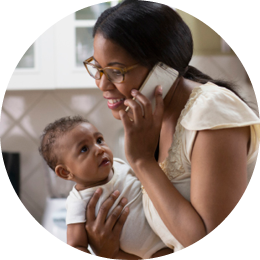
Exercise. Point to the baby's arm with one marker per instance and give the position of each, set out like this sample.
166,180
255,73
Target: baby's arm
123,255
77,236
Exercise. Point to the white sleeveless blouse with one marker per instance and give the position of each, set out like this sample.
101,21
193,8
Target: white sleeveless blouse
209,107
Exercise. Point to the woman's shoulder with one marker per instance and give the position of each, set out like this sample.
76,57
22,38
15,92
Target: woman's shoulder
214,107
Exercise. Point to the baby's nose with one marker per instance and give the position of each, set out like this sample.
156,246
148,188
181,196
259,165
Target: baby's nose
99,149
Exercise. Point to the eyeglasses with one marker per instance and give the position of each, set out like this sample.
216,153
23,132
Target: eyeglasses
113,74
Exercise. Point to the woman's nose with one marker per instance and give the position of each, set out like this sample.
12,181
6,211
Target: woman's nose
104,84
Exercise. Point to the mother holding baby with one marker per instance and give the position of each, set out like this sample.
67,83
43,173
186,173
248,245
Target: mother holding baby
194,154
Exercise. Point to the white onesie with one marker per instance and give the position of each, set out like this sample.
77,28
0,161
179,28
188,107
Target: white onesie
137,237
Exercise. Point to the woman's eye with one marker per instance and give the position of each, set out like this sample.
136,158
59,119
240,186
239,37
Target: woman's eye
84,149
116,72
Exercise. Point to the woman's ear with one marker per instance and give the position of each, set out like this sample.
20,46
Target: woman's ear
62,171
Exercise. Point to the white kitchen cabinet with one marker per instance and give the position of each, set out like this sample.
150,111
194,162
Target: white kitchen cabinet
70,71
55,60
36,70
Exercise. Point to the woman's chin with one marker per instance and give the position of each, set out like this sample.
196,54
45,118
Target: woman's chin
115,114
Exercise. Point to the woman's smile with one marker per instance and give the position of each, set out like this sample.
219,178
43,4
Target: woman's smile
115,103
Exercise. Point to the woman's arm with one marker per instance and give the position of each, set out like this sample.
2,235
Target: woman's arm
218,177
178,214
218,180
219,173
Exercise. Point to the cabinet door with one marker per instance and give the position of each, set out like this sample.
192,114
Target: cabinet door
55,59
74,44
35,70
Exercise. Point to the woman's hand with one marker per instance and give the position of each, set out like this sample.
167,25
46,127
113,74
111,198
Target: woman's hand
104,233
142,131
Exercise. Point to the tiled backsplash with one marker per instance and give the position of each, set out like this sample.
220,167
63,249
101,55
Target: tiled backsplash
24,116
26,113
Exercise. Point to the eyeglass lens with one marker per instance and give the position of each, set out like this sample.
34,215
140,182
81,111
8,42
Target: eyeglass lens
113,75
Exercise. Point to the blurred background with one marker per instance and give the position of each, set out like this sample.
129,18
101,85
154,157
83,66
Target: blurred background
50,82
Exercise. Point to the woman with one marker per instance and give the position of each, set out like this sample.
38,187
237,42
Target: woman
195,154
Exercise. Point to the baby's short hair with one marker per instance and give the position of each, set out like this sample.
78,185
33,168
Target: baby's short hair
52,132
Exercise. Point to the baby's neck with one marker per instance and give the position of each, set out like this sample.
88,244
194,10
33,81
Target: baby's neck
84,186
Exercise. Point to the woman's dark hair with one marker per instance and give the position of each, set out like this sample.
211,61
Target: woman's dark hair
151,33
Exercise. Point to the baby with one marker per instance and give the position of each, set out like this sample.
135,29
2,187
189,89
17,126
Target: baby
77,151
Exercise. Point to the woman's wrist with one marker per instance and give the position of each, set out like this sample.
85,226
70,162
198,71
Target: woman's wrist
140,166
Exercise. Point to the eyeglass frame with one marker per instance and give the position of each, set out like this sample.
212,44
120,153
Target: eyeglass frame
102,70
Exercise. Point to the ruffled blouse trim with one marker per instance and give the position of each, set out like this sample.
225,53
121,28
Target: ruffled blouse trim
226,110
190,119
172,165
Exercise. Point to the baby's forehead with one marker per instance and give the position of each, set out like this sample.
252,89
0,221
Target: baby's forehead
85,127
79,131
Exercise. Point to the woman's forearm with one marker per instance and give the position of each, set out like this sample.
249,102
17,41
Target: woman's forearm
176,212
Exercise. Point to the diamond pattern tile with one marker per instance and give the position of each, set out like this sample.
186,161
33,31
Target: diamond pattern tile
6,123
16,103
44,112
34,189
80,102
17,141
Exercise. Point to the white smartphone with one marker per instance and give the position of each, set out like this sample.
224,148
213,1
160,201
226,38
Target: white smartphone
161,74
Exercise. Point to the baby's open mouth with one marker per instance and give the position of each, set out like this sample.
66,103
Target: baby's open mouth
104,162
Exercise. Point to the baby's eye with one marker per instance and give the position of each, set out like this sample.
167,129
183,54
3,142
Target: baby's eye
84,149
100,140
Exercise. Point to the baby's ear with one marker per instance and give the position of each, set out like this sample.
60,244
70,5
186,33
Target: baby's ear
62,171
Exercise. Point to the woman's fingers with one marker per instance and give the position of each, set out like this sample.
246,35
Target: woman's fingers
125,119
120,222
113,217
90,212
135,108
142,107
144,102
106,206
159,107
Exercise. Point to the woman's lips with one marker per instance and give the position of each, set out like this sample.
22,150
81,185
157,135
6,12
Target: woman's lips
114,103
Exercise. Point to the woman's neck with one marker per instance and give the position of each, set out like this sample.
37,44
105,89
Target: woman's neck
177,98
174,103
